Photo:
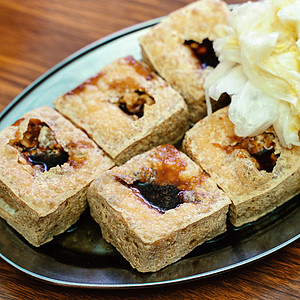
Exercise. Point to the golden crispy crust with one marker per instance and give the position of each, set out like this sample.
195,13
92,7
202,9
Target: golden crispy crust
42,204
95,107
253,191
147,238
164,50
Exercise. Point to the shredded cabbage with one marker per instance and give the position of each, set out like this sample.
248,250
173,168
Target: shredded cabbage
260,69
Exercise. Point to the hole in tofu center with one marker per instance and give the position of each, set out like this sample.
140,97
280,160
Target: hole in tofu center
40,147
164,185
133,103
203,52
261,149
160,197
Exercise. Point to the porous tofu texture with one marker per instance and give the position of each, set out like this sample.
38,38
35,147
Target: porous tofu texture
126,109
46,164
148,237
257,173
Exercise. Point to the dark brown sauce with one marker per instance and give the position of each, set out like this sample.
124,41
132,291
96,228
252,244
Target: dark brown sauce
48,160
261,148
161,186
44,155
161,197
204,52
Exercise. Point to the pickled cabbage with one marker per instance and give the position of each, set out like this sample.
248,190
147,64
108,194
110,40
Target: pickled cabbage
260,69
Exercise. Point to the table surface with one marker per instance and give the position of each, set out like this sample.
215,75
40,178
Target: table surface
34,36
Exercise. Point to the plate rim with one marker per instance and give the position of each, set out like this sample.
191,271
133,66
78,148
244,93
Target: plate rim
149,284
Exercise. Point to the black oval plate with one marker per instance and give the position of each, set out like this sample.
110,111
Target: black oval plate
80,257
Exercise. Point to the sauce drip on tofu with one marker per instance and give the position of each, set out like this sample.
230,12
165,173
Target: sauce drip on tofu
140,68
204,52
164,185
261,149
90,81
39,146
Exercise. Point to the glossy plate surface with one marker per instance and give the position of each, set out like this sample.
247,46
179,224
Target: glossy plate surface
80,257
